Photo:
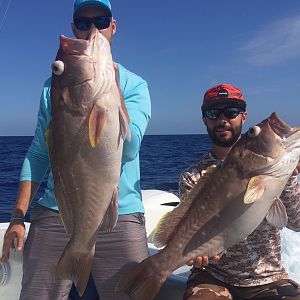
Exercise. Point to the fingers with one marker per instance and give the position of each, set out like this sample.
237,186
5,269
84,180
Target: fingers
198,262
297,170
7,245
201,261
216,258
190,262
20,243
9,242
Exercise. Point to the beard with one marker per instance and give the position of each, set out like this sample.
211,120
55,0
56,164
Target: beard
224,141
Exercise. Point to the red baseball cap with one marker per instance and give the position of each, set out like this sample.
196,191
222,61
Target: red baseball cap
223,94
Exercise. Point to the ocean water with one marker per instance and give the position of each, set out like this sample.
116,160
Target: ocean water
162,158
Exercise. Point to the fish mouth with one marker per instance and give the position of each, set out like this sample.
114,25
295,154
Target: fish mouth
281,128
290,136
75,46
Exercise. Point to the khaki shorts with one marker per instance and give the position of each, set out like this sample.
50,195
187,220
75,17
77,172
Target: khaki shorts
201,285
116,252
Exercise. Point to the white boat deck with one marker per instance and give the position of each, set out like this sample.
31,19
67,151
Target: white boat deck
157,203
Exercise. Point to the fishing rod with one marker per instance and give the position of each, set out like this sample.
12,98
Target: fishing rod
5,13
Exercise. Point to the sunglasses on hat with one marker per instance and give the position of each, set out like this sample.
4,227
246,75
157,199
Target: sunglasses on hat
228,112
85,23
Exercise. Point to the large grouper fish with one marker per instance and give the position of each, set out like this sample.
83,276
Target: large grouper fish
224,207
85,140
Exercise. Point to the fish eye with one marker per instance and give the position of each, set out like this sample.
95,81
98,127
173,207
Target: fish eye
58,67
254,131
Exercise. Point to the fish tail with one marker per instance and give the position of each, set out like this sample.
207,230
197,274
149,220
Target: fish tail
142,282
75,265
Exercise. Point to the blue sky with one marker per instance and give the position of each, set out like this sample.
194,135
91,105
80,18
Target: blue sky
181,48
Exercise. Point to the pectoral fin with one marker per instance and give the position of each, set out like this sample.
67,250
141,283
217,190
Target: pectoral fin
277,216
255,189
97,121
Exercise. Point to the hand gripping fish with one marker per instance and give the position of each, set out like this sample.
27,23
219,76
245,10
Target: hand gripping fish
224,207
85,141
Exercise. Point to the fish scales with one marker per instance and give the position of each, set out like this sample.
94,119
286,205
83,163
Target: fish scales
225,205
85,141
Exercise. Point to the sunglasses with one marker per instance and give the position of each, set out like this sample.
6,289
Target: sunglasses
229,112
85,23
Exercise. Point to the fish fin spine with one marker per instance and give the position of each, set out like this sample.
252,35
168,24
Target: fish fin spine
167,224
255,189
110,218
124,127
277,215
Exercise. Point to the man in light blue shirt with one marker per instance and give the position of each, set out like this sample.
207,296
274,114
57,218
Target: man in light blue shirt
116,251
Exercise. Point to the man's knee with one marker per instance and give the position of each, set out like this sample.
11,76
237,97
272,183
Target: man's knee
207,292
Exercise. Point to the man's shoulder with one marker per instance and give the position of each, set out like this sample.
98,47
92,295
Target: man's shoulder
203,163
129,78
45,97
47,83
190,176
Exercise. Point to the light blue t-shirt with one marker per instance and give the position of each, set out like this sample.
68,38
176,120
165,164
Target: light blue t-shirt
137,100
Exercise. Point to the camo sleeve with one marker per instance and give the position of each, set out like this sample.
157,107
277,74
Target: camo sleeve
191,175
291,199
186,181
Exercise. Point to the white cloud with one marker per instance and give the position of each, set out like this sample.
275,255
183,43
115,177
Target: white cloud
276,43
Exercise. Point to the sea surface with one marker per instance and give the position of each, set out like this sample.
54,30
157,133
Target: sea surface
162,158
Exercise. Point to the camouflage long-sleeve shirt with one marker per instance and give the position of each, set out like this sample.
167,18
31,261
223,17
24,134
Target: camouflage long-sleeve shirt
257,259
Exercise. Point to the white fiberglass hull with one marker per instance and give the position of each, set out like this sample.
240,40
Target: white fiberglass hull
11,274
156,203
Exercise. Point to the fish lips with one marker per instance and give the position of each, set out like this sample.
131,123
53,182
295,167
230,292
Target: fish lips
279,127
75,46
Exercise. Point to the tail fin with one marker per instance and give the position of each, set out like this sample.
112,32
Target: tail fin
142,282
76,266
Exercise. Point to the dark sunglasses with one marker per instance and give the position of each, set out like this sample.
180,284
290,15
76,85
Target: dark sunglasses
85,23
228,112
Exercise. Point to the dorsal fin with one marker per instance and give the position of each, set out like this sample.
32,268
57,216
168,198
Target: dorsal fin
170,220
110,218
123,114
124,128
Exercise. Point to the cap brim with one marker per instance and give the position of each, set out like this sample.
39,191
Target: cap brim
232,102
